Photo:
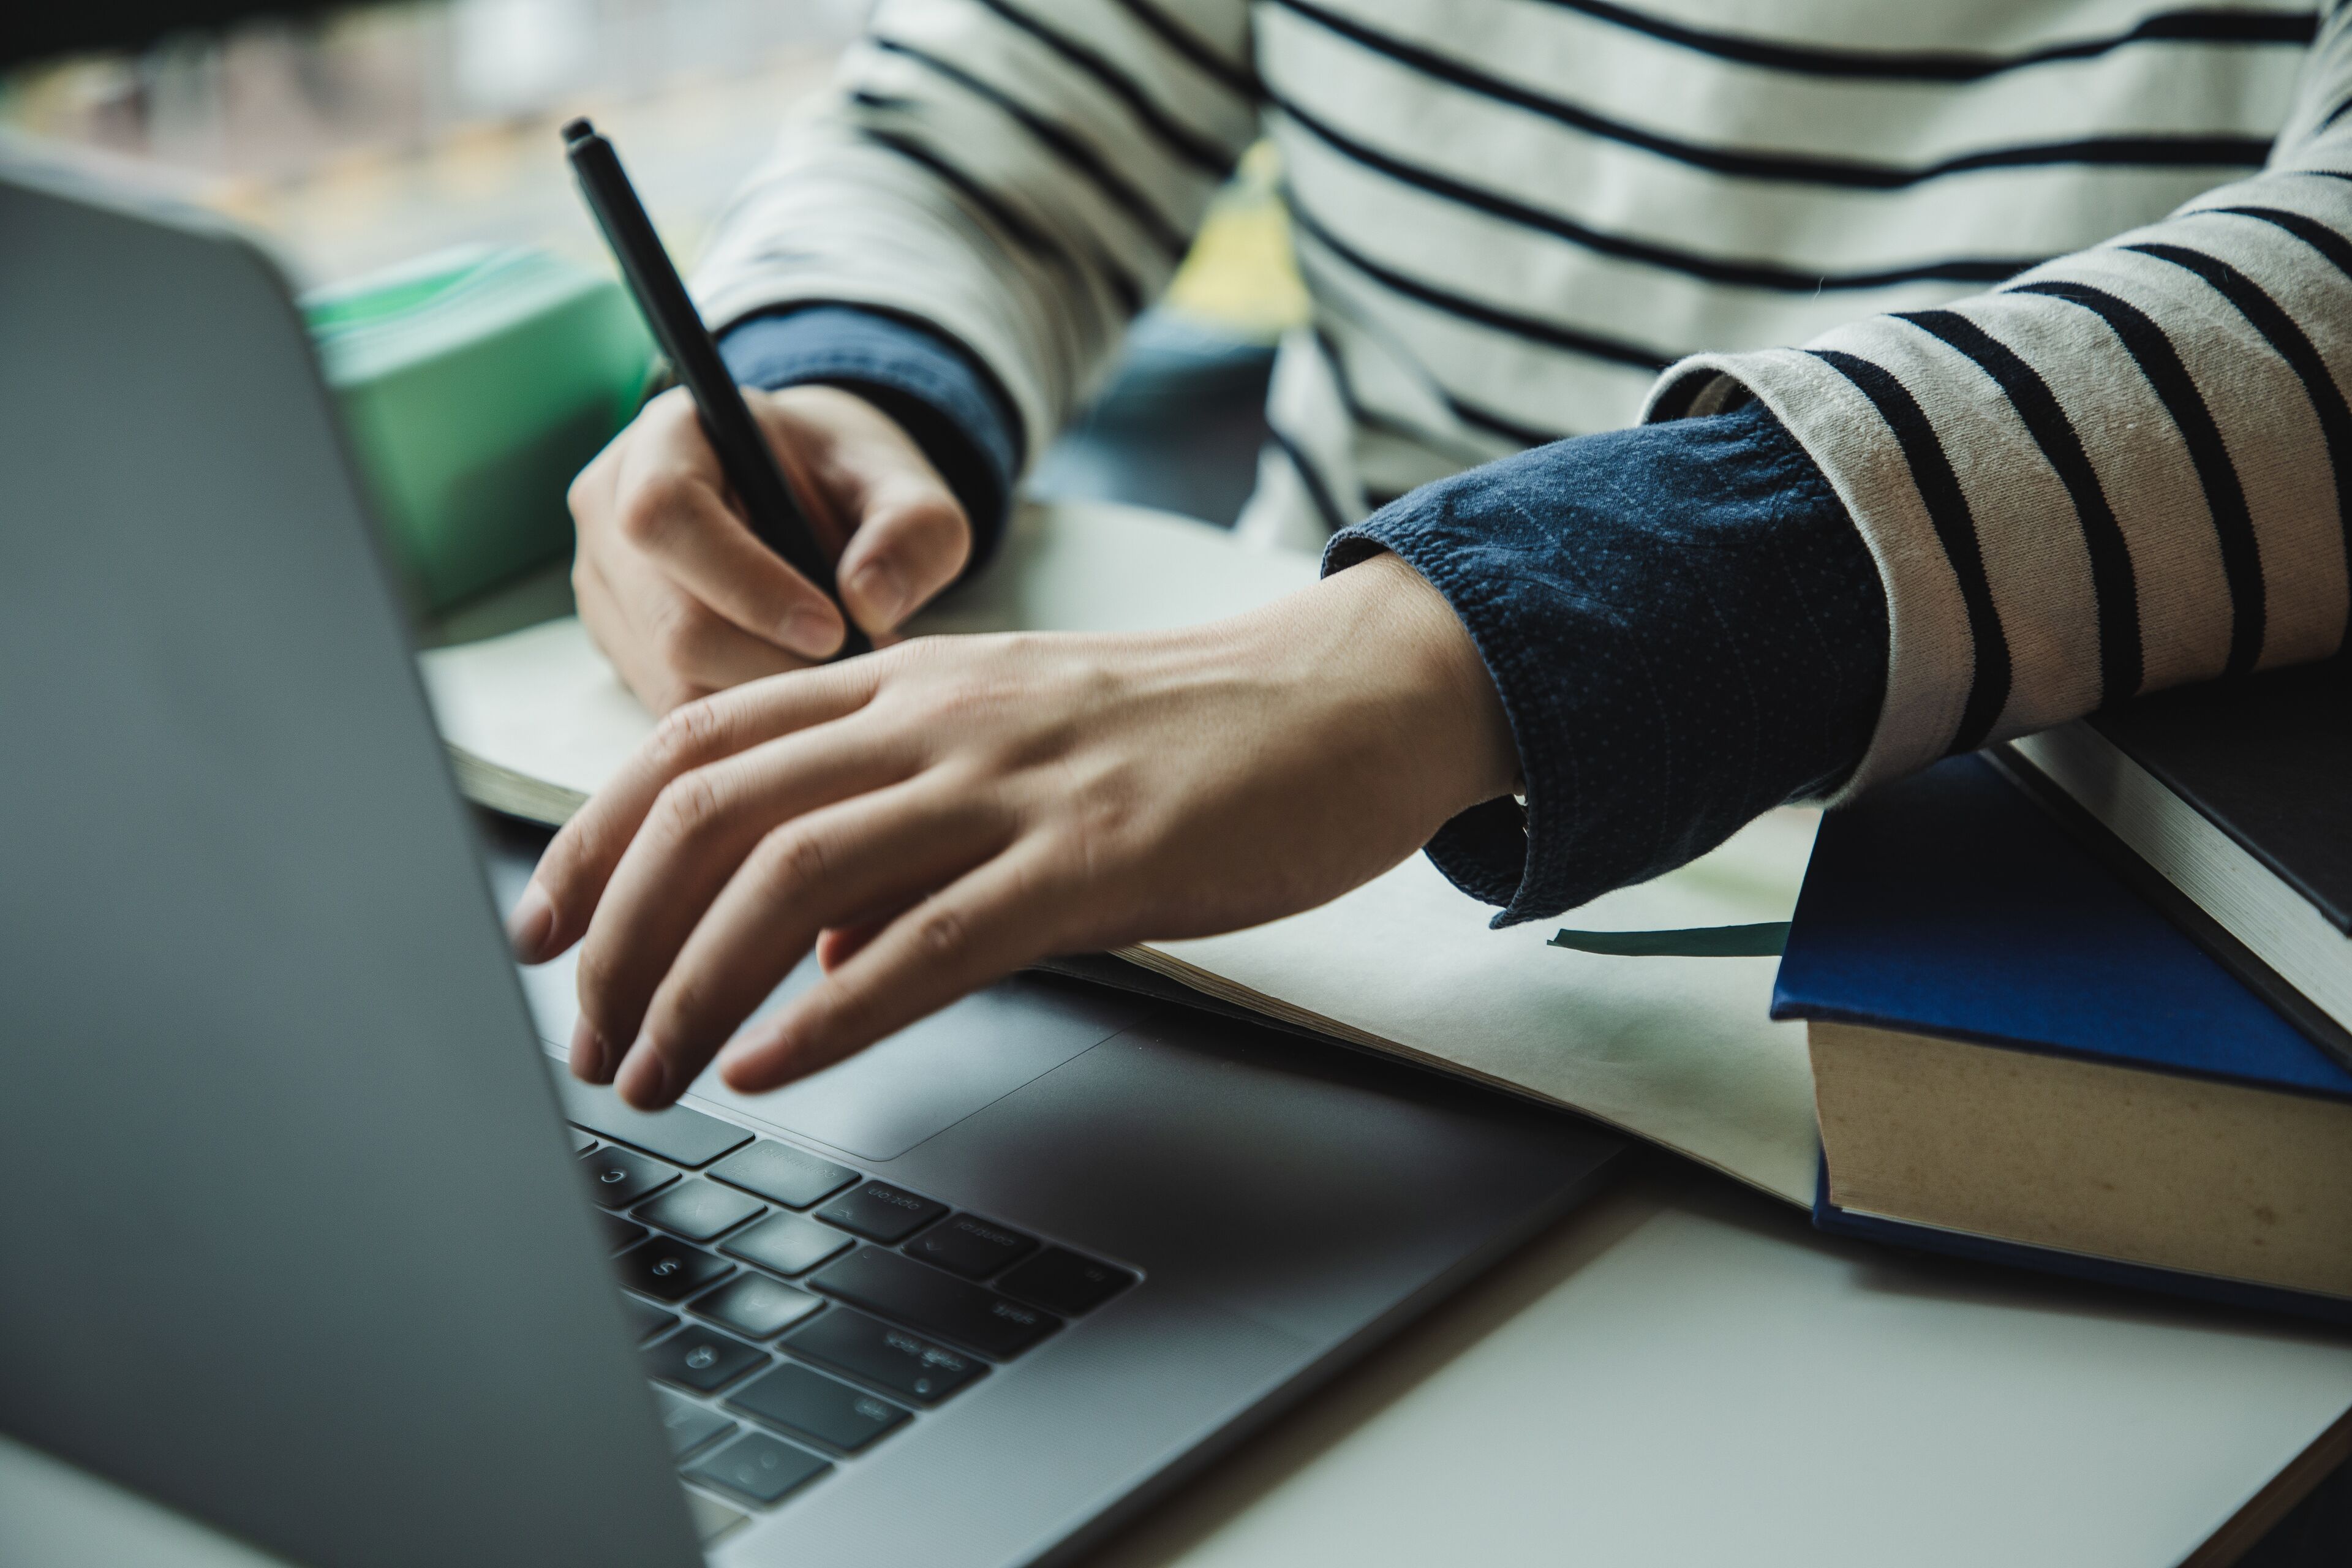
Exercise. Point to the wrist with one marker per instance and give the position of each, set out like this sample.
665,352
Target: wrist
1397,636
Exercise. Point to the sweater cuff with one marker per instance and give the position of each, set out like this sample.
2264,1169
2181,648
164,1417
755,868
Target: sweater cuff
1683,627
945,401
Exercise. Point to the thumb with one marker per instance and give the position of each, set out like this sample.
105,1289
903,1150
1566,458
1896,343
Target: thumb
911,541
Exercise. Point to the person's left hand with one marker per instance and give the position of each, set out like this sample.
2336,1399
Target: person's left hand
938,815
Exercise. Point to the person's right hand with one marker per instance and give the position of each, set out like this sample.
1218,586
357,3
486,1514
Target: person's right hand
943,812
684,600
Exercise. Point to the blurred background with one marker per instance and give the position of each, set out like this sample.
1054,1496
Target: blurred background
358,139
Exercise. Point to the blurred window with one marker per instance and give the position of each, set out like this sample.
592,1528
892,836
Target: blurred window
365,137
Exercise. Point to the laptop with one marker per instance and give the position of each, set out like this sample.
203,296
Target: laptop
313,1241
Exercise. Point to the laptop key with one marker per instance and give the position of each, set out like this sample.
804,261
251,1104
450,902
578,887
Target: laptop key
699,1359
688,1425
646,1320
922,1298
972,1246
682,1137
669,1270
617,1178
620,1235
758,1468
807,1403
1067,1282
880,1211
905,1363
783,1174
785,1244
756,1306
699,1210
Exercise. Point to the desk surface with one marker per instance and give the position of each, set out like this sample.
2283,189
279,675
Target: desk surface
1685,1372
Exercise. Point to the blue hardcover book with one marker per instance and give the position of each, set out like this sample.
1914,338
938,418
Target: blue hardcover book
2016,1059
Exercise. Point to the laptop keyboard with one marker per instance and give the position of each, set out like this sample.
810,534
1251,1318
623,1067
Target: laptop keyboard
794,1314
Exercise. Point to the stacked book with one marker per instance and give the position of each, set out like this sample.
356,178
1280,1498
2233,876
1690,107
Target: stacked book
2081,1004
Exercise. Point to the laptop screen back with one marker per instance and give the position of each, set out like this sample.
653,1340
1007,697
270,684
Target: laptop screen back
292,1241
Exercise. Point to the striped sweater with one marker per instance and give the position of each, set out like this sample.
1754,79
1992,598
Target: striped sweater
2057,296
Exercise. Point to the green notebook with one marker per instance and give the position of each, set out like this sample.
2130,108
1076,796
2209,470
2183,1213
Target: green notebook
474,384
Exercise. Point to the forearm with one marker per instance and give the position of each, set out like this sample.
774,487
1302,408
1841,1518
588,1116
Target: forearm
2125,470
1428,713
1680,622
1022,179
1682,627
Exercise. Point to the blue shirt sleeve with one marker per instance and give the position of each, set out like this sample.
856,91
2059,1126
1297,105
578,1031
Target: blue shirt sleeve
1685,629
936,389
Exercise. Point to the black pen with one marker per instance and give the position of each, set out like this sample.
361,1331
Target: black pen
743,452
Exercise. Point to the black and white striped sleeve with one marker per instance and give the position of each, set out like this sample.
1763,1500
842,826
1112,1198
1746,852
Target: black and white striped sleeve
2121,470
1020,175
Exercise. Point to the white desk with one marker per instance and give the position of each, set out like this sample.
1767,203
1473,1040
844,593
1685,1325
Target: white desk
1685,1374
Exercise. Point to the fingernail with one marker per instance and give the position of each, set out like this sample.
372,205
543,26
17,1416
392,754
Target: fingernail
644,1079
878,586
588,1062
811,632
532,923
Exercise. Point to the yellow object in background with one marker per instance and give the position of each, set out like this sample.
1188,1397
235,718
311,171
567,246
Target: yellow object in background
1241,274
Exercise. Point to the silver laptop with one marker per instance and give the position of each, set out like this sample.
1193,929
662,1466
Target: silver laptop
310,1238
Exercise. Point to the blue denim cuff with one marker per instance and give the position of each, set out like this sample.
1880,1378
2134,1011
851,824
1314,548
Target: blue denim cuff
1684,625
938,391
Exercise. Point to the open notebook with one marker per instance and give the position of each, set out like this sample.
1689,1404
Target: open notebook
1676,1049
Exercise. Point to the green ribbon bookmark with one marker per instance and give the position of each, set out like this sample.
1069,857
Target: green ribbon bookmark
1762,941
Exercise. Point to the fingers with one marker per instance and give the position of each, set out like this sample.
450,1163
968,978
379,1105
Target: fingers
670,502
572,874
802,877
913,541
685,598
909,537
609,627
672,642
985,925
695,836
839,944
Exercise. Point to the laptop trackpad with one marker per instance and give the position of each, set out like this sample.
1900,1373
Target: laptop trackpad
926,1077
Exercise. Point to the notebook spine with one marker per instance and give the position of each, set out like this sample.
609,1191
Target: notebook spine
2172,903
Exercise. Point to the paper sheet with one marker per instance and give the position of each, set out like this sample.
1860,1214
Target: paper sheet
1676,1049
534,721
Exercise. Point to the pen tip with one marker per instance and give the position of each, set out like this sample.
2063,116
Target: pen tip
578,129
